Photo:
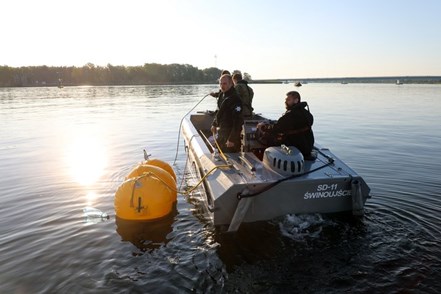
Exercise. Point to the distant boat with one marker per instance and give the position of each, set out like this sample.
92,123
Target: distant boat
399,83
60,83
344,82
297,84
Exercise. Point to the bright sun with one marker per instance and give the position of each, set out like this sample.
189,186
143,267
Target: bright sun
86,159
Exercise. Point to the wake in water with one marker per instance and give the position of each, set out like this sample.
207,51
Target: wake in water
299,227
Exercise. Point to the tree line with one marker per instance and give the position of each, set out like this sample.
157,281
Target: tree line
90,74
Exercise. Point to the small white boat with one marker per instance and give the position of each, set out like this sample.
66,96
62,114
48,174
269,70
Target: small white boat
398,82
262,183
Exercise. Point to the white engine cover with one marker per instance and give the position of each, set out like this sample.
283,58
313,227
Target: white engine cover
285,160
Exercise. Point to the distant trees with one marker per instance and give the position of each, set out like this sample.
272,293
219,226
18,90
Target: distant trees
90,74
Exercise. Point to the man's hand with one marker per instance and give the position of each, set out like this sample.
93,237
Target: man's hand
264,126
213,130
229,144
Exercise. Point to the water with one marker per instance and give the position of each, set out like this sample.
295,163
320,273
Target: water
63,150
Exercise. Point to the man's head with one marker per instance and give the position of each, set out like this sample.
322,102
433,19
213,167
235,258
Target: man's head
292,98
225,83
237,77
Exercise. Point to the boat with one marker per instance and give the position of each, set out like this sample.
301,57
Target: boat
398,82
298,84
265,182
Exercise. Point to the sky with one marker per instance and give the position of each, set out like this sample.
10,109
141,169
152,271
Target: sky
267,39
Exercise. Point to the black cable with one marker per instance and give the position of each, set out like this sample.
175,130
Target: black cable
240,196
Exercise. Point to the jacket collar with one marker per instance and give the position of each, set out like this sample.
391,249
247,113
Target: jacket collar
298,106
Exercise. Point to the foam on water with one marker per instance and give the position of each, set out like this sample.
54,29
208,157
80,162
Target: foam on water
299,227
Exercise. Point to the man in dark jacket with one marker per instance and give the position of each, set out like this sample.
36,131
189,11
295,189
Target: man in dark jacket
294,127
229,120
219,95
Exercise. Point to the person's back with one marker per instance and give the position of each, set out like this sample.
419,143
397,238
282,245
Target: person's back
246,94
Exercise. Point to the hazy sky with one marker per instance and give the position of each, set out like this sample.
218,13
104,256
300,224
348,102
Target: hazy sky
267,39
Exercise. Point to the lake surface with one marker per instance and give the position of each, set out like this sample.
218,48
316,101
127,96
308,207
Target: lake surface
62,150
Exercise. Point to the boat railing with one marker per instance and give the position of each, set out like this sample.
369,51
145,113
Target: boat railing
247,163
206,141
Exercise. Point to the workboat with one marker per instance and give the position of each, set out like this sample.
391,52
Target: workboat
265,182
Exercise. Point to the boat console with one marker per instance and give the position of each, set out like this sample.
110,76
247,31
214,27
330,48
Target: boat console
281,159
253,136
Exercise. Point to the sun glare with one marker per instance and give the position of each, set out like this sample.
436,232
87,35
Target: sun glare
91,197
87,160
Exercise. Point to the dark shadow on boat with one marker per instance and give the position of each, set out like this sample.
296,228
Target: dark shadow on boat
146,235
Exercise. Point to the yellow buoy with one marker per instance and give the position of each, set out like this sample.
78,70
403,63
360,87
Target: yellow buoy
148,193
162,164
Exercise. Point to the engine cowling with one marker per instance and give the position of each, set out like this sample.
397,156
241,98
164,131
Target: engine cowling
285,160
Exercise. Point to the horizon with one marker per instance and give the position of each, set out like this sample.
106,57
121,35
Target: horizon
267,40
283,78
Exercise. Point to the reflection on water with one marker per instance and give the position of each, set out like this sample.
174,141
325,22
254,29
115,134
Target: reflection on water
86,159
91,197
146,235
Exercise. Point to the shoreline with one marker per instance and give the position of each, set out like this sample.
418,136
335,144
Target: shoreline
353,80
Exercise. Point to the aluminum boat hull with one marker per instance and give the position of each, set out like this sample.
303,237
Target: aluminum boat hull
246,189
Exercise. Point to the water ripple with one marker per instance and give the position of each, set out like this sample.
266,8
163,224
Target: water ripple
49,247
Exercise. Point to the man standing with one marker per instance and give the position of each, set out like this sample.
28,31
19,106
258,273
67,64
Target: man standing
229,120
219,95
245,92
294,127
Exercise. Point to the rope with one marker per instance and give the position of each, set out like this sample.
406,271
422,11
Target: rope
224,157
187,192
180,126
203,178
183,192
186,162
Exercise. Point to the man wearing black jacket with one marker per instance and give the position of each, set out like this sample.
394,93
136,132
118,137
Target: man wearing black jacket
229,120
294,127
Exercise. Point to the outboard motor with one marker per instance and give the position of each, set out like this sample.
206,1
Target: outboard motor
285,160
